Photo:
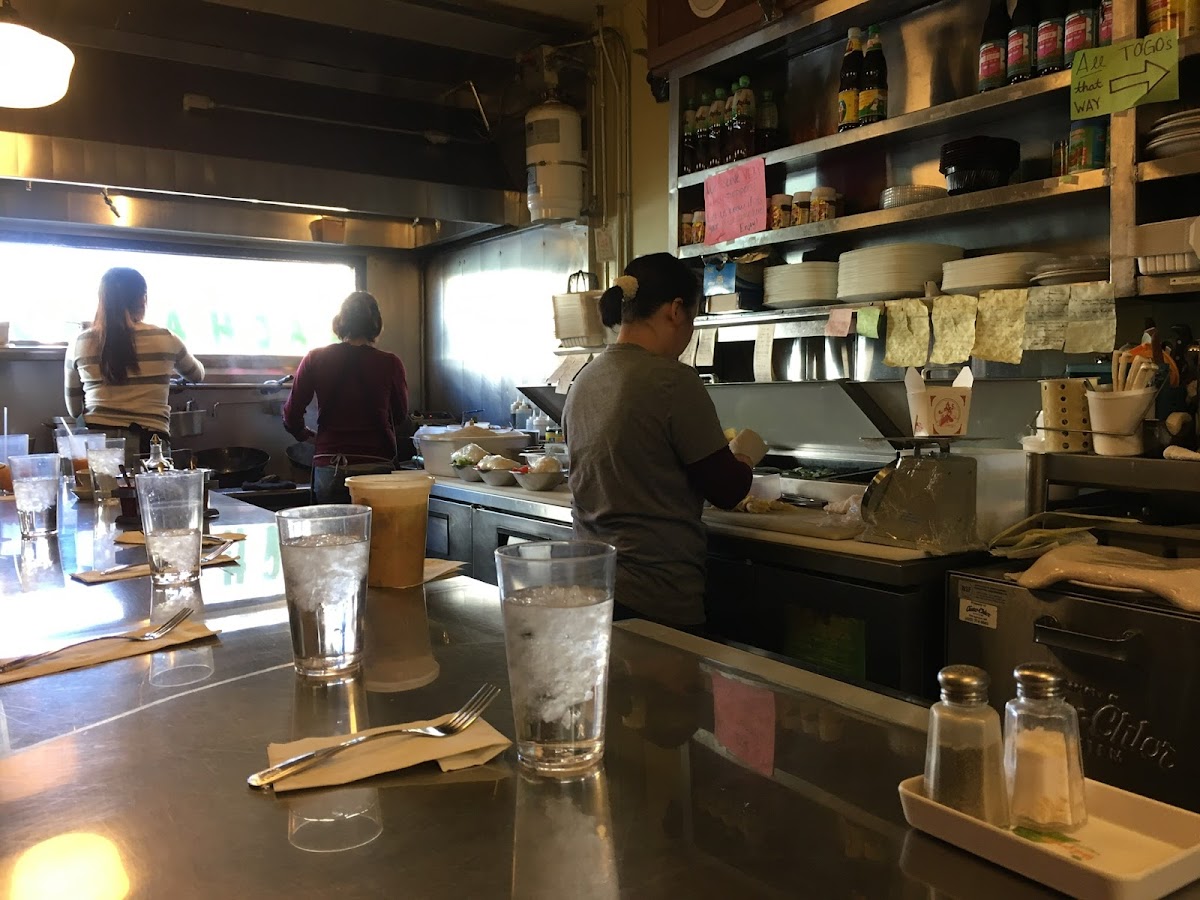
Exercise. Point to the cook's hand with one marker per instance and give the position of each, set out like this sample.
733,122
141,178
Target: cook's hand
748,447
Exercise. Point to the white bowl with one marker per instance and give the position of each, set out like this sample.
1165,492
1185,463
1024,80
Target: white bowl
539,481
499,478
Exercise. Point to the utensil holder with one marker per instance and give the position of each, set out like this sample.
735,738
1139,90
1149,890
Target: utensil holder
1067,425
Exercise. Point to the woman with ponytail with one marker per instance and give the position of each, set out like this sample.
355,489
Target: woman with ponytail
118,373
647,448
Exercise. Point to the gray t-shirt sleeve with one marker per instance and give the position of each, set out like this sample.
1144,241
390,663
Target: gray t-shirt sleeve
692,423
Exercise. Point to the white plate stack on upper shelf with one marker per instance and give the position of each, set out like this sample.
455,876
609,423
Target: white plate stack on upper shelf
800,284
891,271
994,272
1175,134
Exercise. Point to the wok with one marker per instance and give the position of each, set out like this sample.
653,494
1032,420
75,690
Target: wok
301,457
233,465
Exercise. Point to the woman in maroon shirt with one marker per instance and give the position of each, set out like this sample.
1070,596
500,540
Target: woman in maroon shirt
362,398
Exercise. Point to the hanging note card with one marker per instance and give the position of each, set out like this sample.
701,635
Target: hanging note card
1046,317
839,322
867,321
907,334
1105,80
735,202
1091,318
688,357
1000,326
706,349
764,347
953,328
572,367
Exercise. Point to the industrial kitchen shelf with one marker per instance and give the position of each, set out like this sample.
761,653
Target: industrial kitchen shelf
1013,195
1166,285
961,114
1170,167
804,321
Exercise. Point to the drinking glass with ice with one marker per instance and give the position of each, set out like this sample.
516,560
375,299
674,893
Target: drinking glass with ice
557,601
325,551
171,505
104,462
36,481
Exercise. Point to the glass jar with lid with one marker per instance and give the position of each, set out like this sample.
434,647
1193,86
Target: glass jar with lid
964,767
1043,760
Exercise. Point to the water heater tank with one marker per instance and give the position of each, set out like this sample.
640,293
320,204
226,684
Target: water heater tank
554,161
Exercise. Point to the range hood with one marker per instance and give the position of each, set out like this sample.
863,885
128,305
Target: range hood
71,184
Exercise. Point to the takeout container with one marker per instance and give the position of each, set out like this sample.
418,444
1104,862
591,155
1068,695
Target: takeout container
1117,420
399,505
938,410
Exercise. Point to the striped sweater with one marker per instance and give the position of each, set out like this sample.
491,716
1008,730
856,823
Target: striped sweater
142,400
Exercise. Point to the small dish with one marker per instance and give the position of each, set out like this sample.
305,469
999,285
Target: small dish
499,478
469,473
539,481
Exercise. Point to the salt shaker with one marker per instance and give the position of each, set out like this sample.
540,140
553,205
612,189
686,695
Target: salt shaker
964,755
1043,761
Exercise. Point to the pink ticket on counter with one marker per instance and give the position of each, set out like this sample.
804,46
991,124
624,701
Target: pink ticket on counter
744,722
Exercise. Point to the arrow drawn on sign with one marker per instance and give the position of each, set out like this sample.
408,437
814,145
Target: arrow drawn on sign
1147,79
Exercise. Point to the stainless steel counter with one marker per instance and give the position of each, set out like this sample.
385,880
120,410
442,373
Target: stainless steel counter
727,775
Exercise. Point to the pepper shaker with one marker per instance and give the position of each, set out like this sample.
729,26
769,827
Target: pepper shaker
1043,761
964,756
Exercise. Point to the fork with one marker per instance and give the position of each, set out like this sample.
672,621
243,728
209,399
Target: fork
207,557
459,722
161,631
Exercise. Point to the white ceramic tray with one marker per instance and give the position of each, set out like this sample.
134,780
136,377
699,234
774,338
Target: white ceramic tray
1132,848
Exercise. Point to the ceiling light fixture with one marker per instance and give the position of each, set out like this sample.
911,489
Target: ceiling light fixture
35,70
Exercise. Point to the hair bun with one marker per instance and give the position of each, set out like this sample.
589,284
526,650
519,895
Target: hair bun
611,303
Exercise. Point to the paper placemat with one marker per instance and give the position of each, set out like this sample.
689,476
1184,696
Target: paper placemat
477,745
104,651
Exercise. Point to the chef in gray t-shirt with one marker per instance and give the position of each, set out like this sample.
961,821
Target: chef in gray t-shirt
647,448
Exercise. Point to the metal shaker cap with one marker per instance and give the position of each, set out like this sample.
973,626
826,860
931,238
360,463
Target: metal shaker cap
1039,681
964,684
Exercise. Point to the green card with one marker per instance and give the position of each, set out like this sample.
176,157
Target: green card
868,321
1105,80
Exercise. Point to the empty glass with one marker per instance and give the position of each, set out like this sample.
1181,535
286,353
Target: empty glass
172,511
36,481
105,459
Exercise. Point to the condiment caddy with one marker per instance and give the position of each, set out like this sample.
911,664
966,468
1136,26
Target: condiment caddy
1022,802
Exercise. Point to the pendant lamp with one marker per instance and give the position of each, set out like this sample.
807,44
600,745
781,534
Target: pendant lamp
35,70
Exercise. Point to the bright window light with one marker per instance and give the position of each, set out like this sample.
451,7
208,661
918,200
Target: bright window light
217,305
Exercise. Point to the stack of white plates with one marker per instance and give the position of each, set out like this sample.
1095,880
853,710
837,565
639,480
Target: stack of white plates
1175,134
891,271
982,273
904,194
1071,270
801,284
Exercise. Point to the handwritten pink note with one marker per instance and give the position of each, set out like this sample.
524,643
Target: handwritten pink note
744,722
735,202
839,322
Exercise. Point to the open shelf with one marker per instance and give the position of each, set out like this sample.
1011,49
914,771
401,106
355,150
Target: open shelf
1170,167
1014,195
964,113
1168,285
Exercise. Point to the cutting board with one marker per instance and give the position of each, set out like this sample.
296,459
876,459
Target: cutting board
807,522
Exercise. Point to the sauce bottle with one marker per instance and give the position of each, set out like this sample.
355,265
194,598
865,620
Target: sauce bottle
848,82
716,128
743,121
703,139
873,86
687,151
728,126
1020,41
768,134
1048,54
1080,30
1104,32
993,48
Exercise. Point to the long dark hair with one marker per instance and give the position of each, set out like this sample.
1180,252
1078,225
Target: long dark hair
122,302
661,278
359,318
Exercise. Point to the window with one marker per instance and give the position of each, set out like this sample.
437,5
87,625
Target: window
217,305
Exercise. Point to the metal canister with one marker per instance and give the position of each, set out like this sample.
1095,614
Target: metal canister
780,211
1058,162
685,229
1087,147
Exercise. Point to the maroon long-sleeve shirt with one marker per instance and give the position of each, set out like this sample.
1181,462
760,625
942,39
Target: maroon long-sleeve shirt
362,393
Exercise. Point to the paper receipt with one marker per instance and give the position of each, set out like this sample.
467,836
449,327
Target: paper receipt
907,334
1091,318
1046,317
953,328
1000,326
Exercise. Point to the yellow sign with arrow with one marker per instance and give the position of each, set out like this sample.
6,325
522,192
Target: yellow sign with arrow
1106,80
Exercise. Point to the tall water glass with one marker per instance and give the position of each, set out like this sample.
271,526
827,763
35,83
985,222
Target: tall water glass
104,462
325,551
36,480
172,510
73,448
557,601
